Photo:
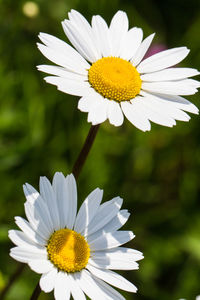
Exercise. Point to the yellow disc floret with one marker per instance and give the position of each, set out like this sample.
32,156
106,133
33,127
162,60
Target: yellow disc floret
115,78
68,250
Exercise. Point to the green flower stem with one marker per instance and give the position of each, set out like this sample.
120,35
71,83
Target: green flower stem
85,151
36,292
76,171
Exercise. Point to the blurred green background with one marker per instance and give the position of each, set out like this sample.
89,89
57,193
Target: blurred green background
157,173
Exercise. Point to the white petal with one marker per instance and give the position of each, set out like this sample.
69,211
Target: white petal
29,232
113,279
65,49
37,213
115,114
106,212
193,83
118,30
142,49
20,239
179,87
25,254
180,103
170,74
119,258
31,193
82,45
88,285
155,113
69,86
62,54
98,113
109,292
119,263
76,291
117,222
85,32
91,100
62,287
111,240
39,207
72,200
131,43
39,218
61,72
102,35
123,253
60,190
40,266
49,197
88,210
134,115
95,288
167,107
85,104
47,280
163,60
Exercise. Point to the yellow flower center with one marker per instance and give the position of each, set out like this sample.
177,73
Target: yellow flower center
115,78
68,250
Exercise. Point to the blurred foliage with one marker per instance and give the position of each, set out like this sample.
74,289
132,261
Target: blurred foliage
157,173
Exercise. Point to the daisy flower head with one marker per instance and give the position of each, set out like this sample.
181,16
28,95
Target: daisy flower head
105,67
76,253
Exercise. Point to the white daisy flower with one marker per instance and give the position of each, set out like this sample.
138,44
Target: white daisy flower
107,71
74,252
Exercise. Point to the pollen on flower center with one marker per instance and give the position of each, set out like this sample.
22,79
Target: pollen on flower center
115,78
68,250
